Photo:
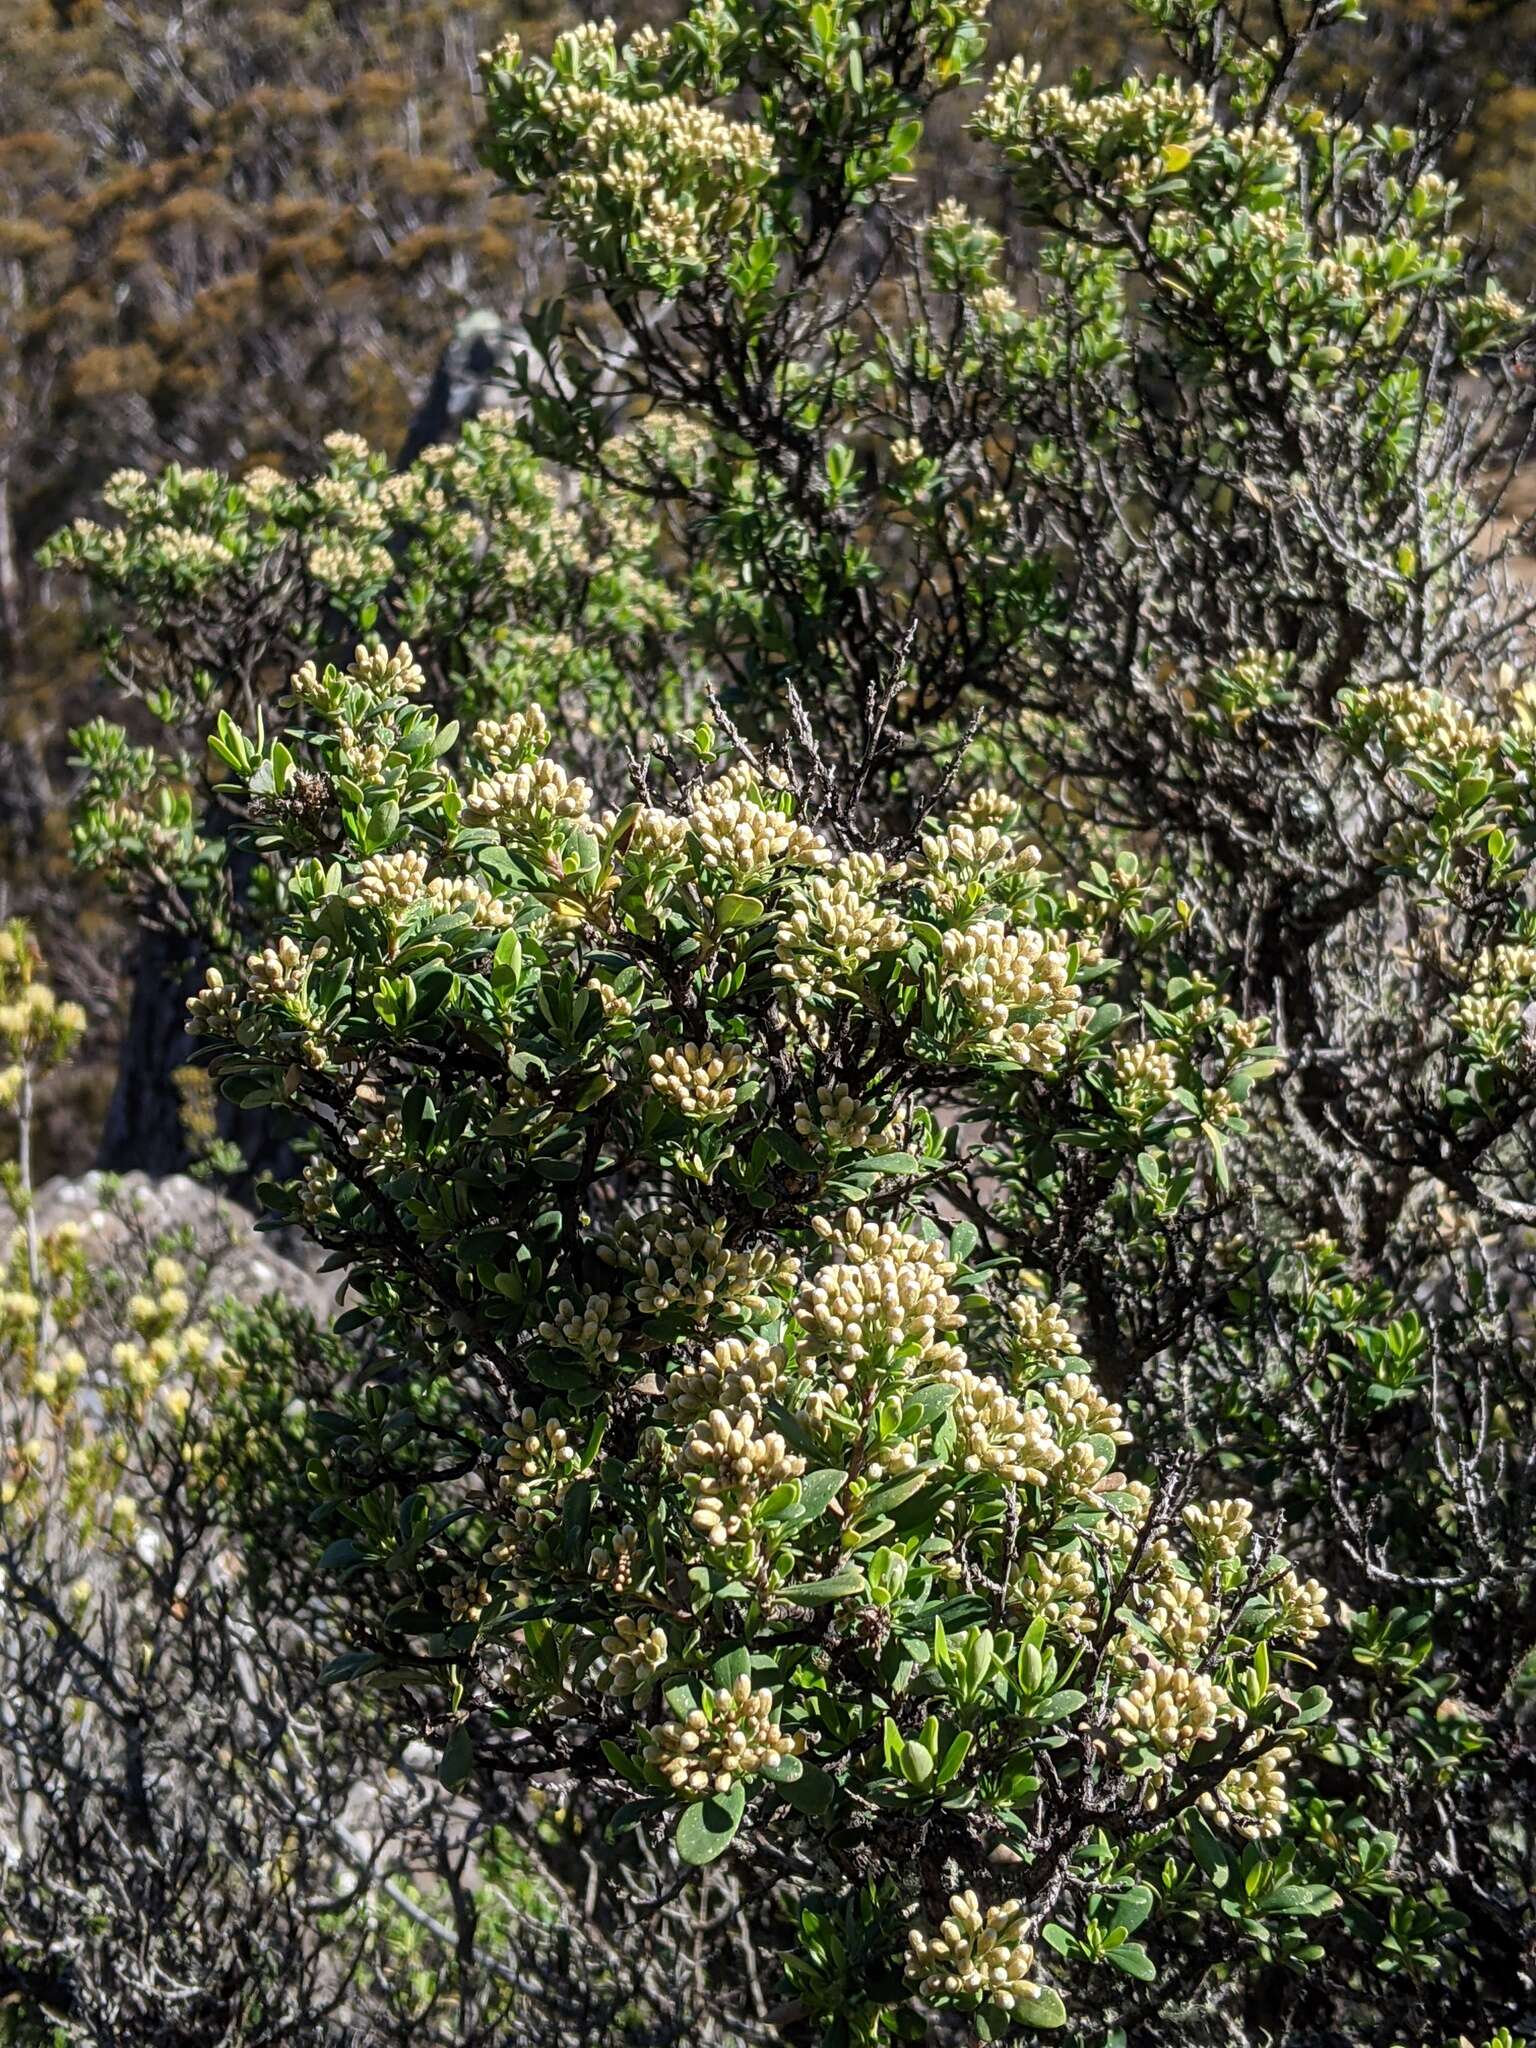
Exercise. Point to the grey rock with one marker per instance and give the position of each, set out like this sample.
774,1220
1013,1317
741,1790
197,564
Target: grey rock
116,1211
476,372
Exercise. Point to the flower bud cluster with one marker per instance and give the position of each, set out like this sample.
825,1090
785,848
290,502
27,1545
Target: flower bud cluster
640,180
536,1466
697,1080
838,926
1038,1334
1145,1075
676,1264
1179,1614
511,742
841,1122
881,1291
1222,1529
1301,1606
1060,1585
1169,1709
1254,1800
745,840
997,1433
1077,1408
736,1373
523,803
462,896
393,883
963,860
733,1735
729,1466
593,1328
975,1957
634,1653
1016,989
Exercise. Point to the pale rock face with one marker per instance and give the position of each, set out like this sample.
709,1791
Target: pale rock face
248,1265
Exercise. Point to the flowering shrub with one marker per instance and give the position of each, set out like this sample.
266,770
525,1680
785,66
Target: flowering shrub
728,1174
516,586
773,1514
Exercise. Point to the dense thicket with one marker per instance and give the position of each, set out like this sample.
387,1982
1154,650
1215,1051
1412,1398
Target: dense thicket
900,949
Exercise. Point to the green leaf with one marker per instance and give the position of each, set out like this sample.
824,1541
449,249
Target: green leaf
1134,1908
842,1586
350,1664
735,913
892,1162
707,1828
811,1793
818,1490
954,1757
1303,1899
1045,2009
733,1664
1059,1705
457,1759
1210,1854
1131,1957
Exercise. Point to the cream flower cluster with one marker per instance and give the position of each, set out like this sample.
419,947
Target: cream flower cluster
881,1290
1254,1800
1145,1075
1301,1605
736,1373
591,1327
278,973
462,896
697,1080
350,565
841,1121
974,1957
1169,1709
1501,984
393,883
1143,116
377,671
633,1654
665,175
536,1466
960,859
747,841
281,970
512,741
1418,721
838,923
729,1466
469,1598
1077,1408
1222,1529
318,1186
1179,1615
522,803
678,1264
658,836
996,1433
1016,988
1061,1586
1038,1333
378,1143
35,1025
733,1735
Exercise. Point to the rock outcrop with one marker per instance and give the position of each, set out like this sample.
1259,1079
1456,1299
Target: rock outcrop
118,1211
